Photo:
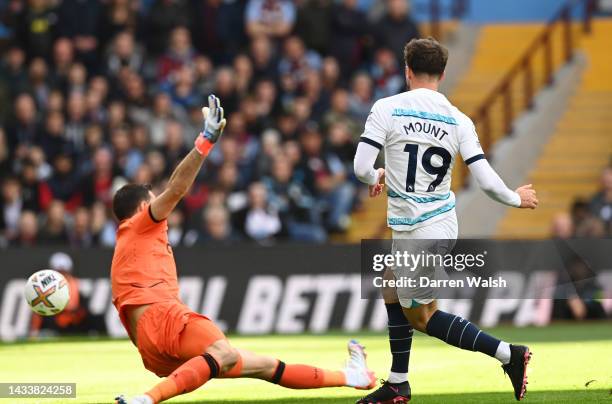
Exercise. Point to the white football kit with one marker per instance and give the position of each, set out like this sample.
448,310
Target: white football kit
421,133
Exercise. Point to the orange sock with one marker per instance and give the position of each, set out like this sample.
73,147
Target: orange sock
188,377
307,377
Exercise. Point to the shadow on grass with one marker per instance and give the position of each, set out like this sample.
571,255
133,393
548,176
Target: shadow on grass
562,396
556,332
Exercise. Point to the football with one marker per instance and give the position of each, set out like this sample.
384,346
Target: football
47,292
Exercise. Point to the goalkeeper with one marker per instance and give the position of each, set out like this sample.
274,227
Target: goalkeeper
185,347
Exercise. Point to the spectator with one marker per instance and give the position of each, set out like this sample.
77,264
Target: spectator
217,226
182,90
396,28
30,186
124,52
38,84
54,229
296,208
388,79
13,70
28,230
179,53
176,228
273,18
76,123
117,16
601,203
79,21
262,53
102,227
80,235
325,177
349,28
175,148
164,16
162,114
53,141
297,60
97,185
361,97
11,206
339,113
36,27
259,221
63,58
22,131
219,32
63,184
313,24
5,154
562,226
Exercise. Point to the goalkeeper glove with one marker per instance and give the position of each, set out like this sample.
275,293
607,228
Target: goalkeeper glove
214,123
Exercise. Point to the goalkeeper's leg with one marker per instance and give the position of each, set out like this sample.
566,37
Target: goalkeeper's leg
298,376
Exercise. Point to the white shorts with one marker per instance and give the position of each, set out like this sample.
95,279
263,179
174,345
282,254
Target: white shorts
437,238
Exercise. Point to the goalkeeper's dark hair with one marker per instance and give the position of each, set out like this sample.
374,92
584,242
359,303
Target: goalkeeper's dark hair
127,199
426,56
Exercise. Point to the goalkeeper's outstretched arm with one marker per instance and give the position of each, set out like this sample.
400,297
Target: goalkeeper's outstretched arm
185,173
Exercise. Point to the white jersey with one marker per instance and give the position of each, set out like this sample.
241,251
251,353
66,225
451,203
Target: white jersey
421,133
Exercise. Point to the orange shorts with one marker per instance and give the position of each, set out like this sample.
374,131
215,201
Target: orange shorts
170,333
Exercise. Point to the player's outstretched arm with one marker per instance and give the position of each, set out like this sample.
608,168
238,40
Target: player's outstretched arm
185,173
494,187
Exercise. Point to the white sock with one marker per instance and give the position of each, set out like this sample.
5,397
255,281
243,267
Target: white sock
503,353
395,377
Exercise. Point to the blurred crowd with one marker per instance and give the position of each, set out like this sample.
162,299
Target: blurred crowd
94,94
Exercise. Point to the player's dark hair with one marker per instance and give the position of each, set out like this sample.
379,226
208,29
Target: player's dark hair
426,56
127,199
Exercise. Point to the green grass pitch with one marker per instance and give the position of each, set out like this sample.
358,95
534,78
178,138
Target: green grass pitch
566,357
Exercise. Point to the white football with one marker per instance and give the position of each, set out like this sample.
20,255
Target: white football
47,292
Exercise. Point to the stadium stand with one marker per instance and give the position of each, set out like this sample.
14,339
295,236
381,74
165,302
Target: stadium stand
565,172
